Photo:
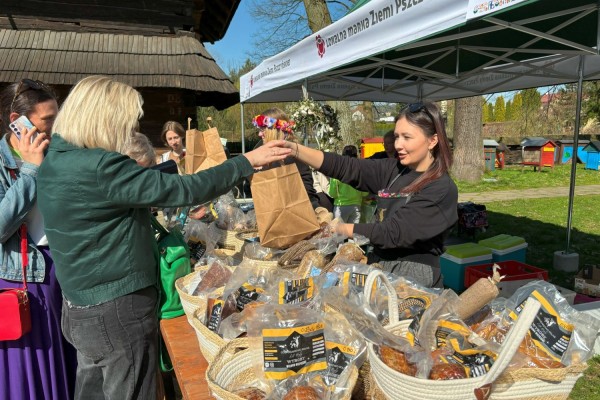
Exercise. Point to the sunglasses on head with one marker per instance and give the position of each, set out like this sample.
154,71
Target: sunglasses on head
418,107
25,85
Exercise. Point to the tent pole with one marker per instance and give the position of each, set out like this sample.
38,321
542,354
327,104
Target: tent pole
243,130
574,157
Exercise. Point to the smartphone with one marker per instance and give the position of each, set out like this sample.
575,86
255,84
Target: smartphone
19,124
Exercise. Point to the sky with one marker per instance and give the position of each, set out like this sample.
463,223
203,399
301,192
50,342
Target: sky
231,51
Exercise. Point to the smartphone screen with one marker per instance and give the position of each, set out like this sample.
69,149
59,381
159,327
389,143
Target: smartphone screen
19,124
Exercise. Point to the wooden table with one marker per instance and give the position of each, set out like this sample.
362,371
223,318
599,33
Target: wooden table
188,362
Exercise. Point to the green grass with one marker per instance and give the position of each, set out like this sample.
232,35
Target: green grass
542,222
517,177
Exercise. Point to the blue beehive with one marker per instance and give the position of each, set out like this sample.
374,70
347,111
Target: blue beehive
593,152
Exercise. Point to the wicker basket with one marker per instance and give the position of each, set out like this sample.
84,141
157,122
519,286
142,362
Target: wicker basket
232,368
537,383
229,239
395,385
190,303
210,342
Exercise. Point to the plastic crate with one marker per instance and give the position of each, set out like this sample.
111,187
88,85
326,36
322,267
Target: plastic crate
515,273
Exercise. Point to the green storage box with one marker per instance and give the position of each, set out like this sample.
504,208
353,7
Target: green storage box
506,247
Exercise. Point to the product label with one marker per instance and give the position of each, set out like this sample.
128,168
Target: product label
338,358
291,351
475,362
246,294
410,306
549,331
296,291
413,329
446,328
355,280
214,319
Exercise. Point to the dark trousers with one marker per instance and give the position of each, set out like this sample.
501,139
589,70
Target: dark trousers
117,346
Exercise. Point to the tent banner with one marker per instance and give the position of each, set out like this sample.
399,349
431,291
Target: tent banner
479,8
375,27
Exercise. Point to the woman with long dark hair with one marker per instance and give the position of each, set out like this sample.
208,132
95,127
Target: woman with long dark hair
416,198
40,364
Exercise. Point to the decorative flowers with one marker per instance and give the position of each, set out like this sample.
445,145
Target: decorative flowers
320,121
262,121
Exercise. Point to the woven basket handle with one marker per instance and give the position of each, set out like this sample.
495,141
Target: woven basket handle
513,340
392,296
226,352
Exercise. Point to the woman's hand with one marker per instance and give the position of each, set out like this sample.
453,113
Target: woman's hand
32,151
269,152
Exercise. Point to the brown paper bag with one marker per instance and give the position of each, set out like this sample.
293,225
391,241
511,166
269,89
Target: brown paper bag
284,214
203,150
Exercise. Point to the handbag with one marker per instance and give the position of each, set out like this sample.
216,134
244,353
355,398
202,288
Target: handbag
14,303
174,263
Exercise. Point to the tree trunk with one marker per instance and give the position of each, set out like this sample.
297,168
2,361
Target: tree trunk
468,143
317,14
369,119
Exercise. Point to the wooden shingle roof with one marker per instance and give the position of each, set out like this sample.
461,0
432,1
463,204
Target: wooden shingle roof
64,58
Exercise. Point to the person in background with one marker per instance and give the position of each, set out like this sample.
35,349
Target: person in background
140,149
305,172
95,202
172,136
40,364
416,198
388,145
346,199
321,185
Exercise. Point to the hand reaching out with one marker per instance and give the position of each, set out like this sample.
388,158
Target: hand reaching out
269,152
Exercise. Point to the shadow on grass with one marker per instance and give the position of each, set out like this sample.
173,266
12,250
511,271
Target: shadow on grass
543,240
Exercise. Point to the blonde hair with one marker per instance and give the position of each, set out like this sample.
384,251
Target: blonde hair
99,113
139,148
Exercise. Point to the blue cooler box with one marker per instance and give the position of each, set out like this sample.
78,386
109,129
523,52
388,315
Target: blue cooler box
506,247
456,258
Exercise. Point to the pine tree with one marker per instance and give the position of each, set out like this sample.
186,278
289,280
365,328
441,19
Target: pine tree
499,110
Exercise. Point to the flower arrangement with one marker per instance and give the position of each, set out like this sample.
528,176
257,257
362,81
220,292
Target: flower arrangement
262,121
319,121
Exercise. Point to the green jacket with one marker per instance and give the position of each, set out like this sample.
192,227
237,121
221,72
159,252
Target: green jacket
95,206
345,195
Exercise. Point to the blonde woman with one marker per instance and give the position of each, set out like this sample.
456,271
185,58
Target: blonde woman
96,206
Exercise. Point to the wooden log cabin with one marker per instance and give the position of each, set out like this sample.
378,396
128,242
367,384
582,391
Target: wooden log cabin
154,46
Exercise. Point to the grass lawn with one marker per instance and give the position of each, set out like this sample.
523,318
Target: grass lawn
542,222
515,177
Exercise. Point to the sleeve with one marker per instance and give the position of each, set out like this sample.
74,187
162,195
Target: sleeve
126,183
362,174
423,217
16,200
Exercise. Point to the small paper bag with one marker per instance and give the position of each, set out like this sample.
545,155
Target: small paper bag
203,150
284,214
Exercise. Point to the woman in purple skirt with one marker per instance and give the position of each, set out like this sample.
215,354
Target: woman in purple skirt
40,364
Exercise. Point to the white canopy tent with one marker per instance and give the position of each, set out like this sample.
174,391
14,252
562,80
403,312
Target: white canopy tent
404,50
435,50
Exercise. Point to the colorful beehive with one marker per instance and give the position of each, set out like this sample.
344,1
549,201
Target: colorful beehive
538,152
593,155
489,154
564,151
370,146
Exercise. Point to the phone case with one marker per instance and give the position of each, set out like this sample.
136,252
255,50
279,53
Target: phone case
19,124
